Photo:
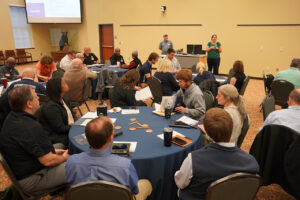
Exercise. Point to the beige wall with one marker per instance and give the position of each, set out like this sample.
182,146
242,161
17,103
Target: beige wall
258,47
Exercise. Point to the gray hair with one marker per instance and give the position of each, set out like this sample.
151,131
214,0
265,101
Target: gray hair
230,91
135,53
295,63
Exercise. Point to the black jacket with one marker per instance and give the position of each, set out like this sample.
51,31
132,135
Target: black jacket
117,58
120,97
168,82
277,151
54,118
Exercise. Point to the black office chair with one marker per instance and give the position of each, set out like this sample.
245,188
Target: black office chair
19,192
244,131
244,86
281,89
95,190
156,89
209,99
234,187
194,68
138,68
268,105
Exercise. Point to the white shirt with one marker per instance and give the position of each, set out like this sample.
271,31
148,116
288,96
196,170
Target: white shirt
66,63
184,175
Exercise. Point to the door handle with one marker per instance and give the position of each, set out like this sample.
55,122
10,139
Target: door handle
107,46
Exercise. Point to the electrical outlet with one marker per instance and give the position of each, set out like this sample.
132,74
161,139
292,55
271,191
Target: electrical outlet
261,48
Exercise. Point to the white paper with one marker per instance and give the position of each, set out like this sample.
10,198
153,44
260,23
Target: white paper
132,145
10,82
220,80
175,133
85,122
113,120
1,89
157,106
144,93
187,120
90,115
130,111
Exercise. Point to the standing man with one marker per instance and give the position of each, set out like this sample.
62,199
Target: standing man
165,45
117,57
89,57
175,67
8,71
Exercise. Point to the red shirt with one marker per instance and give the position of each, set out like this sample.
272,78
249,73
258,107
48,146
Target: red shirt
45,70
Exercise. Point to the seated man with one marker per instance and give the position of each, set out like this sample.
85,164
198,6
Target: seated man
214,161
175,64
117,57
8,71
28,77
25,146
80,56
146,69
99,164
194,104
292,74
76,79
287,117
66,62
89,57
134,63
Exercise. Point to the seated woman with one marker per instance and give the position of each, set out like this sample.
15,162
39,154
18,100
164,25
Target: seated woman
123,93
168,82
203,74
233,103
55,115
45,68
192,96
134,63
238,78
214,161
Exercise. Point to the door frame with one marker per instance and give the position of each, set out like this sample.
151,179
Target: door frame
100,40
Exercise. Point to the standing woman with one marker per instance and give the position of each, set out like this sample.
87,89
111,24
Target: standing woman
213,50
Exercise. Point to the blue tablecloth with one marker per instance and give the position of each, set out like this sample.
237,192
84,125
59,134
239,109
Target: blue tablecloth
119,71
152,160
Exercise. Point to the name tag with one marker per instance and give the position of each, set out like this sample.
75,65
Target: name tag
92,58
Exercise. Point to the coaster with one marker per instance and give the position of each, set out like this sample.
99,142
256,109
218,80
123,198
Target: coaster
118,127
132,129
149,131
132,119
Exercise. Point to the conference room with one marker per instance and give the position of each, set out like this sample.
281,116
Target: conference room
158,100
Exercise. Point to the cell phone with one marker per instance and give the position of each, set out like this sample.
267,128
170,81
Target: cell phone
179,141
116,134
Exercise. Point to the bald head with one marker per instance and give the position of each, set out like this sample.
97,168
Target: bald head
294,98
77,63
11,62
99,131
80,56
28,73
134,54
117,51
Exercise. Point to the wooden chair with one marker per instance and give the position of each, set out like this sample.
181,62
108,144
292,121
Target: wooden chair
234,187
23,55
2,57
281,89
11,53
17,189
94,190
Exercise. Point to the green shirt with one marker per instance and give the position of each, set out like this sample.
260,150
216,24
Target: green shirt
291,75
213,53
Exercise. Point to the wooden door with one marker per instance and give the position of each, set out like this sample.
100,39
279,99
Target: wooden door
106,36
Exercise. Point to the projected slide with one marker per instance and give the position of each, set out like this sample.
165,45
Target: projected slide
53,11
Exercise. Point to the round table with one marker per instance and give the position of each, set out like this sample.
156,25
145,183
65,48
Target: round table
152,160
